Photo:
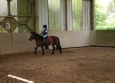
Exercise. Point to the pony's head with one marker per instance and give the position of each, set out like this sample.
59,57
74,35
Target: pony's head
33,35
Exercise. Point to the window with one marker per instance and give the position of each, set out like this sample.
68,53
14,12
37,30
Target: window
3,12
86,14
77,14
105,14
20,9
54,21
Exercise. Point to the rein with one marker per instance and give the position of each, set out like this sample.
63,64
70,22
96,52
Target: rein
38,37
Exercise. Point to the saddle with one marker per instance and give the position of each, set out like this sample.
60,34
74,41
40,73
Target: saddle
49,39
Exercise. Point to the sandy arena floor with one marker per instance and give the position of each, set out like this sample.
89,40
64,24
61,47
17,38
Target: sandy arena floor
75,65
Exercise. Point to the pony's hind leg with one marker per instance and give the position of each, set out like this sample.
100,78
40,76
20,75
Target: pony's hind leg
35,50
53,49
59,46
60,49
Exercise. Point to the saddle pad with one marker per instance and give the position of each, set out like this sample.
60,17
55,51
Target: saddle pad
49,39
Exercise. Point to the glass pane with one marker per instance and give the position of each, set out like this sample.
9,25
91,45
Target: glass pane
1,18
105,14
24,8
16,30
3,12
13,7
54,15
86,14
2,30
77,14
22,29
3,8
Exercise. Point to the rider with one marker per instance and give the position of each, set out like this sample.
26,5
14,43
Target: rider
45,33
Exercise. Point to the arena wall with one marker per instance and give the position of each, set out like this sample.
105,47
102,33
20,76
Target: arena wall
105,38
19,42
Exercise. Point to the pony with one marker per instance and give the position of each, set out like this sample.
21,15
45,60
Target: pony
50,40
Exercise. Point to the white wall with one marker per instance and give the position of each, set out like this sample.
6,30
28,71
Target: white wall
19,42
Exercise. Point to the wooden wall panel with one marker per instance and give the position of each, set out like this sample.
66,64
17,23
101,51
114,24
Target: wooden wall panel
105,38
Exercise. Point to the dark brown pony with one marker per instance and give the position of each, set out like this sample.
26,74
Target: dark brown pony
51,40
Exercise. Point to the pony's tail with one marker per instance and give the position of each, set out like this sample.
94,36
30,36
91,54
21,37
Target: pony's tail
59,46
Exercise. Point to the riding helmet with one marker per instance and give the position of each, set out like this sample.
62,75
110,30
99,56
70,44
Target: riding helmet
44,26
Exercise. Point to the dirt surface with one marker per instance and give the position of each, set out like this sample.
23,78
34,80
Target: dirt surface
75,65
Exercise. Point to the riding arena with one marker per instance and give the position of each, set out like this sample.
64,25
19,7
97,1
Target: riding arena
73,52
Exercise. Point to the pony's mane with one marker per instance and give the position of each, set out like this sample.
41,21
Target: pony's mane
36,35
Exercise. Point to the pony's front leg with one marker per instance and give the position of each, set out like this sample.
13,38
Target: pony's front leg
35,50
42,50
